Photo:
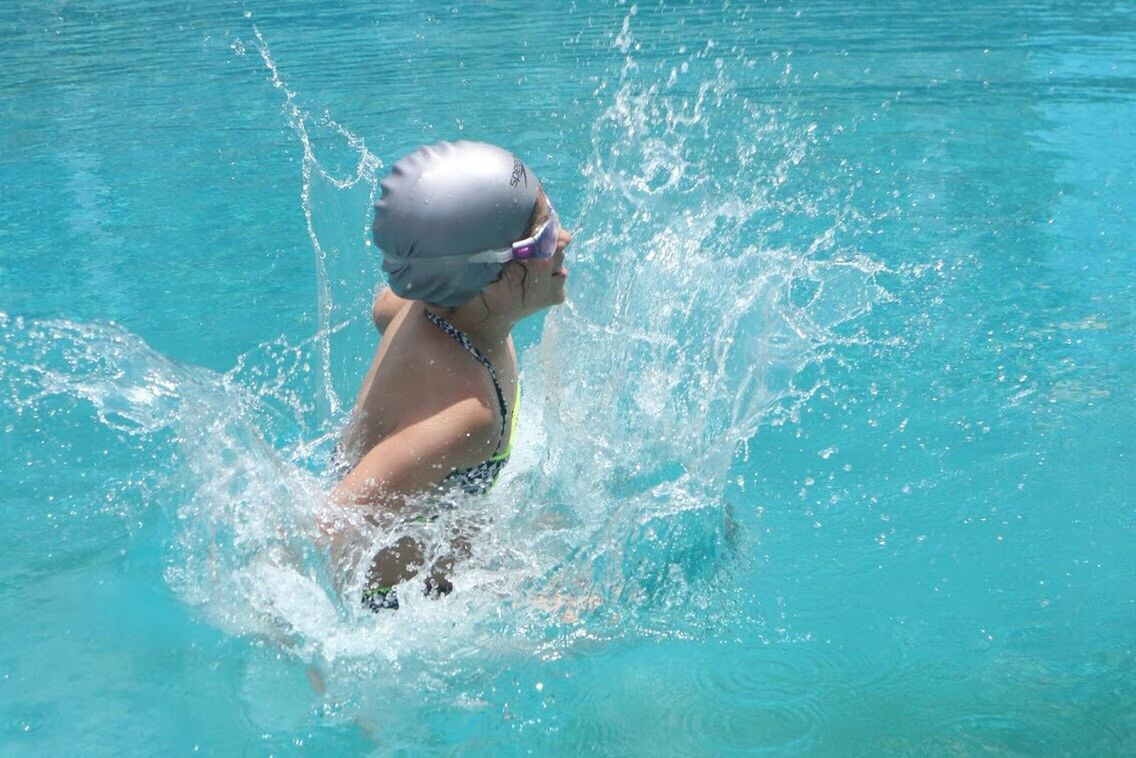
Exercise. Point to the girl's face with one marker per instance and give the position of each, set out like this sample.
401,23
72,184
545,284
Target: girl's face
539,283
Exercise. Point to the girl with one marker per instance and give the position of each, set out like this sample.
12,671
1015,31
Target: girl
471,245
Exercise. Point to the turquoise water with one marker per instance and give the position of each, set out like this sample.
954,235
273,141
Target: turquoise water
830,451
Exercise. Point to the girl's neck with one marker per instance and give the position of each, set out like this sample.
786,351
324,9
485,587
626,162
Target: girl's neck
488,331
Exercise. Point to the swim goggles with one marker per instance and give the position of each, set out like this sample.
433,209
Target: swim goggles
537,247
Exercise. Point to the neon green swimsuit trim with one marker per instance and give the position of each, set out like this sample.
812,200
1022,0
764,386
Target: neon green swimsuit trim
504,456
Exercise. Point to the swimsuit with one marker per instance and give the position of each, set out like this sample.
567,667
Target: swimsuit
477,480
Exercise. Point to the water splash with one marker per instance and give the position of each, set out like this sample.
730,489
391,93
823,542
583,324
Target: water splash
691,325
314,177
709,281
234,499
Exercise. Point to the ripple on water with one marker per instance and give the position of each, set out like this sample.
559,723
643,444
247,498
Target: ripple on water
1028,705
591,716
1003,727
770,696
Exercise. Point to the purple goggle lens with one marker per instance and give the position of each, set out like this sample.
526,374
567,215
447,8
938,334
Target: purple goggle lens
537,247
542,244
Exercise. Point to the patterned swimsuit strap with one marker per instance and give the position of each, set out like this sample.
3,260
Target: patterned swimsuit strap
470,348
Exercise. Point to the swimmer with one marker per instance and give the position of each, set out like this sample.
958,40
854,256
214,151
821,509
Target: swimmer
471,245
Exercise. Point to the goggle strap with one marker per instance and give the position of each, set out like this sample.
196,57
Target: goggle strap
486,256
503,255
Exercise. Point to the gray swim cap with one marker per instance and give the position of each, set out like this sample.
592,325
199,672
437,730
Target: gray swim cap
443,203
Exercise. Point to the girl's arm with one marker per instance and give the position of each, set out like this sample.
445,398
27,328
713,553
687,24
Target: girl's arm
411,462
419,455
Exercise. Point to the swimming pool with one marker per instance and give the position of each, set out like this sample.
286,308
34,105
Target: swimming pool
830,452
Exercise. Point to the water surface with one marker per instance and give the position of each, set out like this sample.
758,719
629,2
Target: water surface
829,452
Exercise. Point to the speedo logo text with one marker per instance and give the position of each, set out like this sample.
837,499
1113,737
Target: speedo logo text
519,173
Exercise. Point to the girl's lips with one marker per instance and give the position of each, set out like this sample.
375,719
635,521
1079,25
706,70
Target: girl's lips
562,272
